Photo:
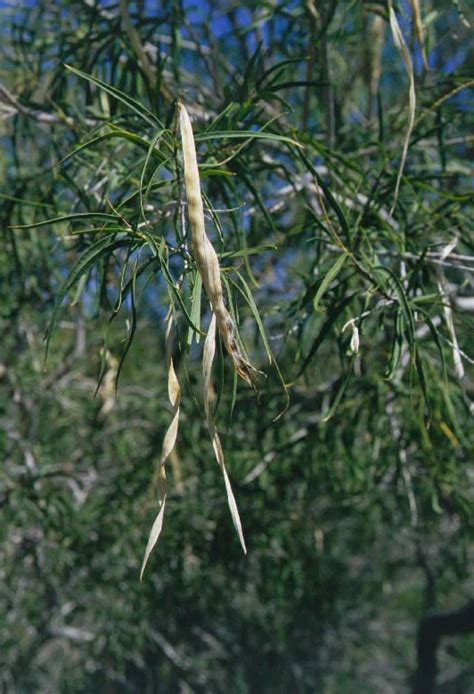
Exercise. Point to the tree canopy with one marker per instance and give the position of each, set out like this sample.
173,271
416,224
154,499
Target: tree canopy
308,347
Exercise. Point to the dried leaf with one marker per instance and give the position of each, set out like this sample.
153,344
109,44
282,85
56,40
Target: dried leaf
420,31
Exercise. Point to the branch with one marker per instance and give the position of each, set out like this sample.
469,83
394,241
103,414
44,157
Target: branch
435,625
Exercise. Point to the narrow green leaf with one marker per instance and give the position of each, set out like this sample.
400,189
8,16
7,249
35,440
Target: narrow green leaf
397,346
159,250
77,216
422,378
133,324
242,253
402,300
328,278
247,294
296,83
329,197
340,392
195,308
117,133
151,150
101,247
333,313
245,135
278,66
131,103
25,203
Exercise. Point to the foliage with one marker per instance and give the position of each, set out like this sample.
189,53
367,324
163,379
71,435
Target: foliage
351,461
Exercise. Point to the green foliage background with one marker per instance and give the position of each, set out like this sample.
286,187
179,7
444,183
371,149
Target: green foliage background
357,501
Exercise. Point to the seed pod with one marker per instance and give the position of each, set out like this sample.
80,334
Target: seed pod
207,361
174,395
204,254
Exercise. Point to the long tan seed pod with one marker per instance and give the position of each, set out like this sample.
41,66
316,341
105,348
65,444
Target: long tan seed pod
204,253
169,441
207,361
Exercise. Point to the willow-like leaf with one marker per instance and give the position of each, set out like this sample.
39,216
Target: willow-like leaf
246,135
405,53
131,103
344,382
76,216
100,248
331,275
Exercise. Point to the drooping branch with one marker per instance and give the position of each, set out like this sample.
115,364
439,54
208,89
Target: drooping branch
432,628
